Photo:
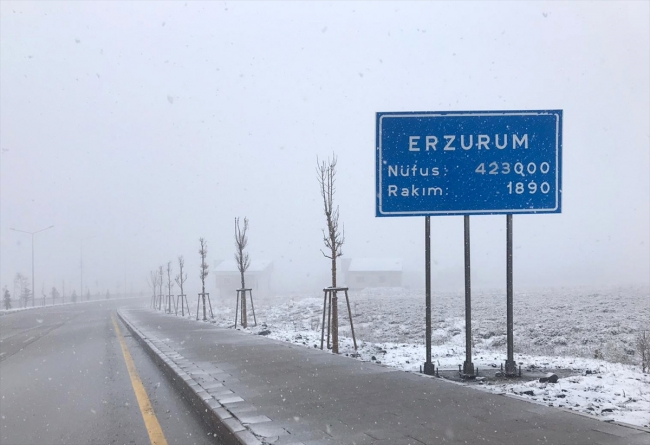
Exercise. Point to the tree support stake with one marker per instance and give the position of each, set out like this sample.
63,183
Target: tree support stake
330,296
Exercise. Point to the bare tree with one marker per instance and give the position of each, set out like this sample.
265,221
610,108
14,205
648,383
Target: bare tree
204,271
170,284
18,282
22,283
334,236
243,261
160,285
6,299
25,291
180,279
152,281
55,294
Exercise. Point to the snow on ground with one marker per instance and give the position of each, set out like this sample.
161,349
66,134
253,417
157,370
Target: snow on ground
587,336
611,391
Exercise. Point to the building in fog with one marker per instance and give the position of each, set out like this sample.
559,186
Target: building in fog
372,272
258,277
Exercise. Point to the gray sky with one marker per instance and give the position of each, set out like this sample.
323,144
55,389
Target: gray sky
150,124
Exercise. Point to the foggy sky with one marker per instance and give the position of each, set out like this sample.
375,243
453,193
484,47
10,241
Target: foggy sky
146,125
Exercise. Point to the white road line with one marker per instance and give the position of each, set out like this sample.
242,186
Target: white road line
28,339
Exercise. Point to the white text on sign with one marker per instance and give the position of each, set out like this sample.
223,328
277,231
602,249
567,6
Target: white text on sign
467,142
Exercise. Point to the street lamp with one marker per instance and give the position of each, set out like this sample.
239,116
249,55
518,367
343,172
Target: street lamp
81,265
32,234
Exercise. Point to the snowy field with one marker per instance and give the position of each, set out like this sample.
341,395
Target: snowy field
587,336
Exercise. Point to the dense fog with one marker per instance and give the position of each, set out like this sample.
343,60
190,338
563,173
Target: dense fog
135,128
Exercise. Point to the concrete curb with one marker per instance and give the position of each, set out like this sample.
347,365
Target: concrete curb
214,413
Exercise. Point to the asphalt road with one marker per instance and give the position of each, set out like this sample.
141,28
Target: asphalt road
64,380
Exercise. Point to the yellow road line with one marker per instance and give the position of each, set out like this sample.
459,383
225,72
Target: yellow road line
156,435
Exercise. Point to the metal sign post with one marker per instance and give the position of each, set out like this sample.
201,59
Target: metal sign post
511,366
429,368
468,163
468,366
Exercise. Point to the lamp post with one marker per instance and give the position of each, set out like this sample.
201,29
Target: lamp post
32,234
81,265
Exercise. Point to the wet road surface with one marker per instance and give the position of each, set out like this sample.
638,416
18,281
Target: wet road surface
64,380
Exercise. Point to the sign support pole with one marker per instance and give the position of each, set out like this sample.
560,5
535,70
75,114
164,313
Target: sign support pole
511,367
529,147
428,366
468,366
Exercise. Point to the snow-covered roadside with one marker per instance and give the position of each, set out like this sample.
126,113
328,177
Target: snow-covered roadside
607,390
610,391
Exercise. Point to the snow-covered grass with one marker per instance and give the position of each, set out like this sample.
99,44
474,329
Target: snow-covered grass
588,334
612,391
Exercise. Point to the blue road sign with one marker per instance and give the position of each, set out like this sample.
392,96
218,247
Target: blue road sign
468,162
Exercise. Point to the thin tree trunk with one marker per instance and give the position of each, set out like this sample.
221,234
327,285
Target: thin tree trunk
182,296
329,319
335,311
244,321
203,296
